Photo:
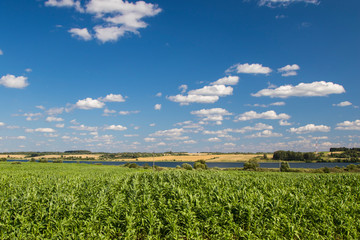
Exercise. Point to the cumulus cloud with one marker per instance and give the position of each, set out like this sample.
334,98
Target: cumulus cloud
114,17
159,94
42,130
89,103
150,139
1,52
254,68
348,125
289,70
116,128
81,33
267,105
157,107
82,127
174,132
183,88
11,81
310,128
213,114
284,123
264,115
343,104
60,125
215,90
55,111
214,139
128,112
54,119
113,98
229,80
265,134
186,100
284,3
2,124
314,89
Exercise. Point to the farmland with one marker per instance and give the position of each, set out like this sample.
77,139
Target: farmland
79,201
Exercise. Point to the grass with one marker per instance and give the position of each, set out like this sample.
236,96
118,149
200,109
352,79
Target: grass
79,201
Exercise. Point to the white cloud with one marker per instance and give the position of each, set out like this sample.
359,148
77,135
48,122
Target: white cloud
348,125
42,130
113,98
150,139
229,80
157,107
152,124
10,81
2,124
343,104
289,70
284,123
28,70
82,127
54,119
89,103
314,89
55,111
310,128
190,142
128,112
267,105
277,104
1,52
284,3
159,94
186,100
265,115
212,114
116,128
265,134
215,90
254,68
108,112
60,125
81,33
183,88
214,139
175,132
229,144
108,34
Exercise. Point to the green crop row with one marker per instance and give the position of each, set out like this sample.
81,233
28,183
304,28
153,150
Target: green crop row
77,201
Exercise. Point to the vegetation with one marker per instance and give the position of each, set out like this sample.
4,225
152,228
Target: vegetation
284,167
342,149
200,164
294,156
251,165
78,201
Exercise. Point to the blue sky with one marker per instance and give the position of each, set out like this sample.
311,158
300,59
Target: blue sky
247,76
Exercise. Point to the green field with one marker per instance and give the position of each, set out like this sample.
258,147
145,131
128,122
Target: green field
78,201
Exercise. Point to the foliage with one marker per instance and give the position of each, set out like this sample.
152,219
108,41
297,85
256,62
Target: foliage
284,167
78,201
186,166
294,156
3,159
200,164
342,149
252,164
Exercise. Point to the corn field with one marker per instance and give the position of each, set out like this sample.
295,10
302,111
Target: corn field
76,201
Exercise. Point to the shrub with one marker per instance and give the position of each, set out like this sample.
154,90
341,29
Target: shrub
284,167
43,160
16,163
32,160
57,161
146,166
251,165
326,170
133,165
3,159
200,164
186,166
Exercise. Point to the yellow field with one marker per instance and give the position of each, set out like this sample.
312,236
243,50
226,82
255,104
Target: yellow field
192,157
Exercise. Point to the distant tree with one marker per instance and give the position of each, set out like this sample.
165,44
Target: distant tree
200,164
